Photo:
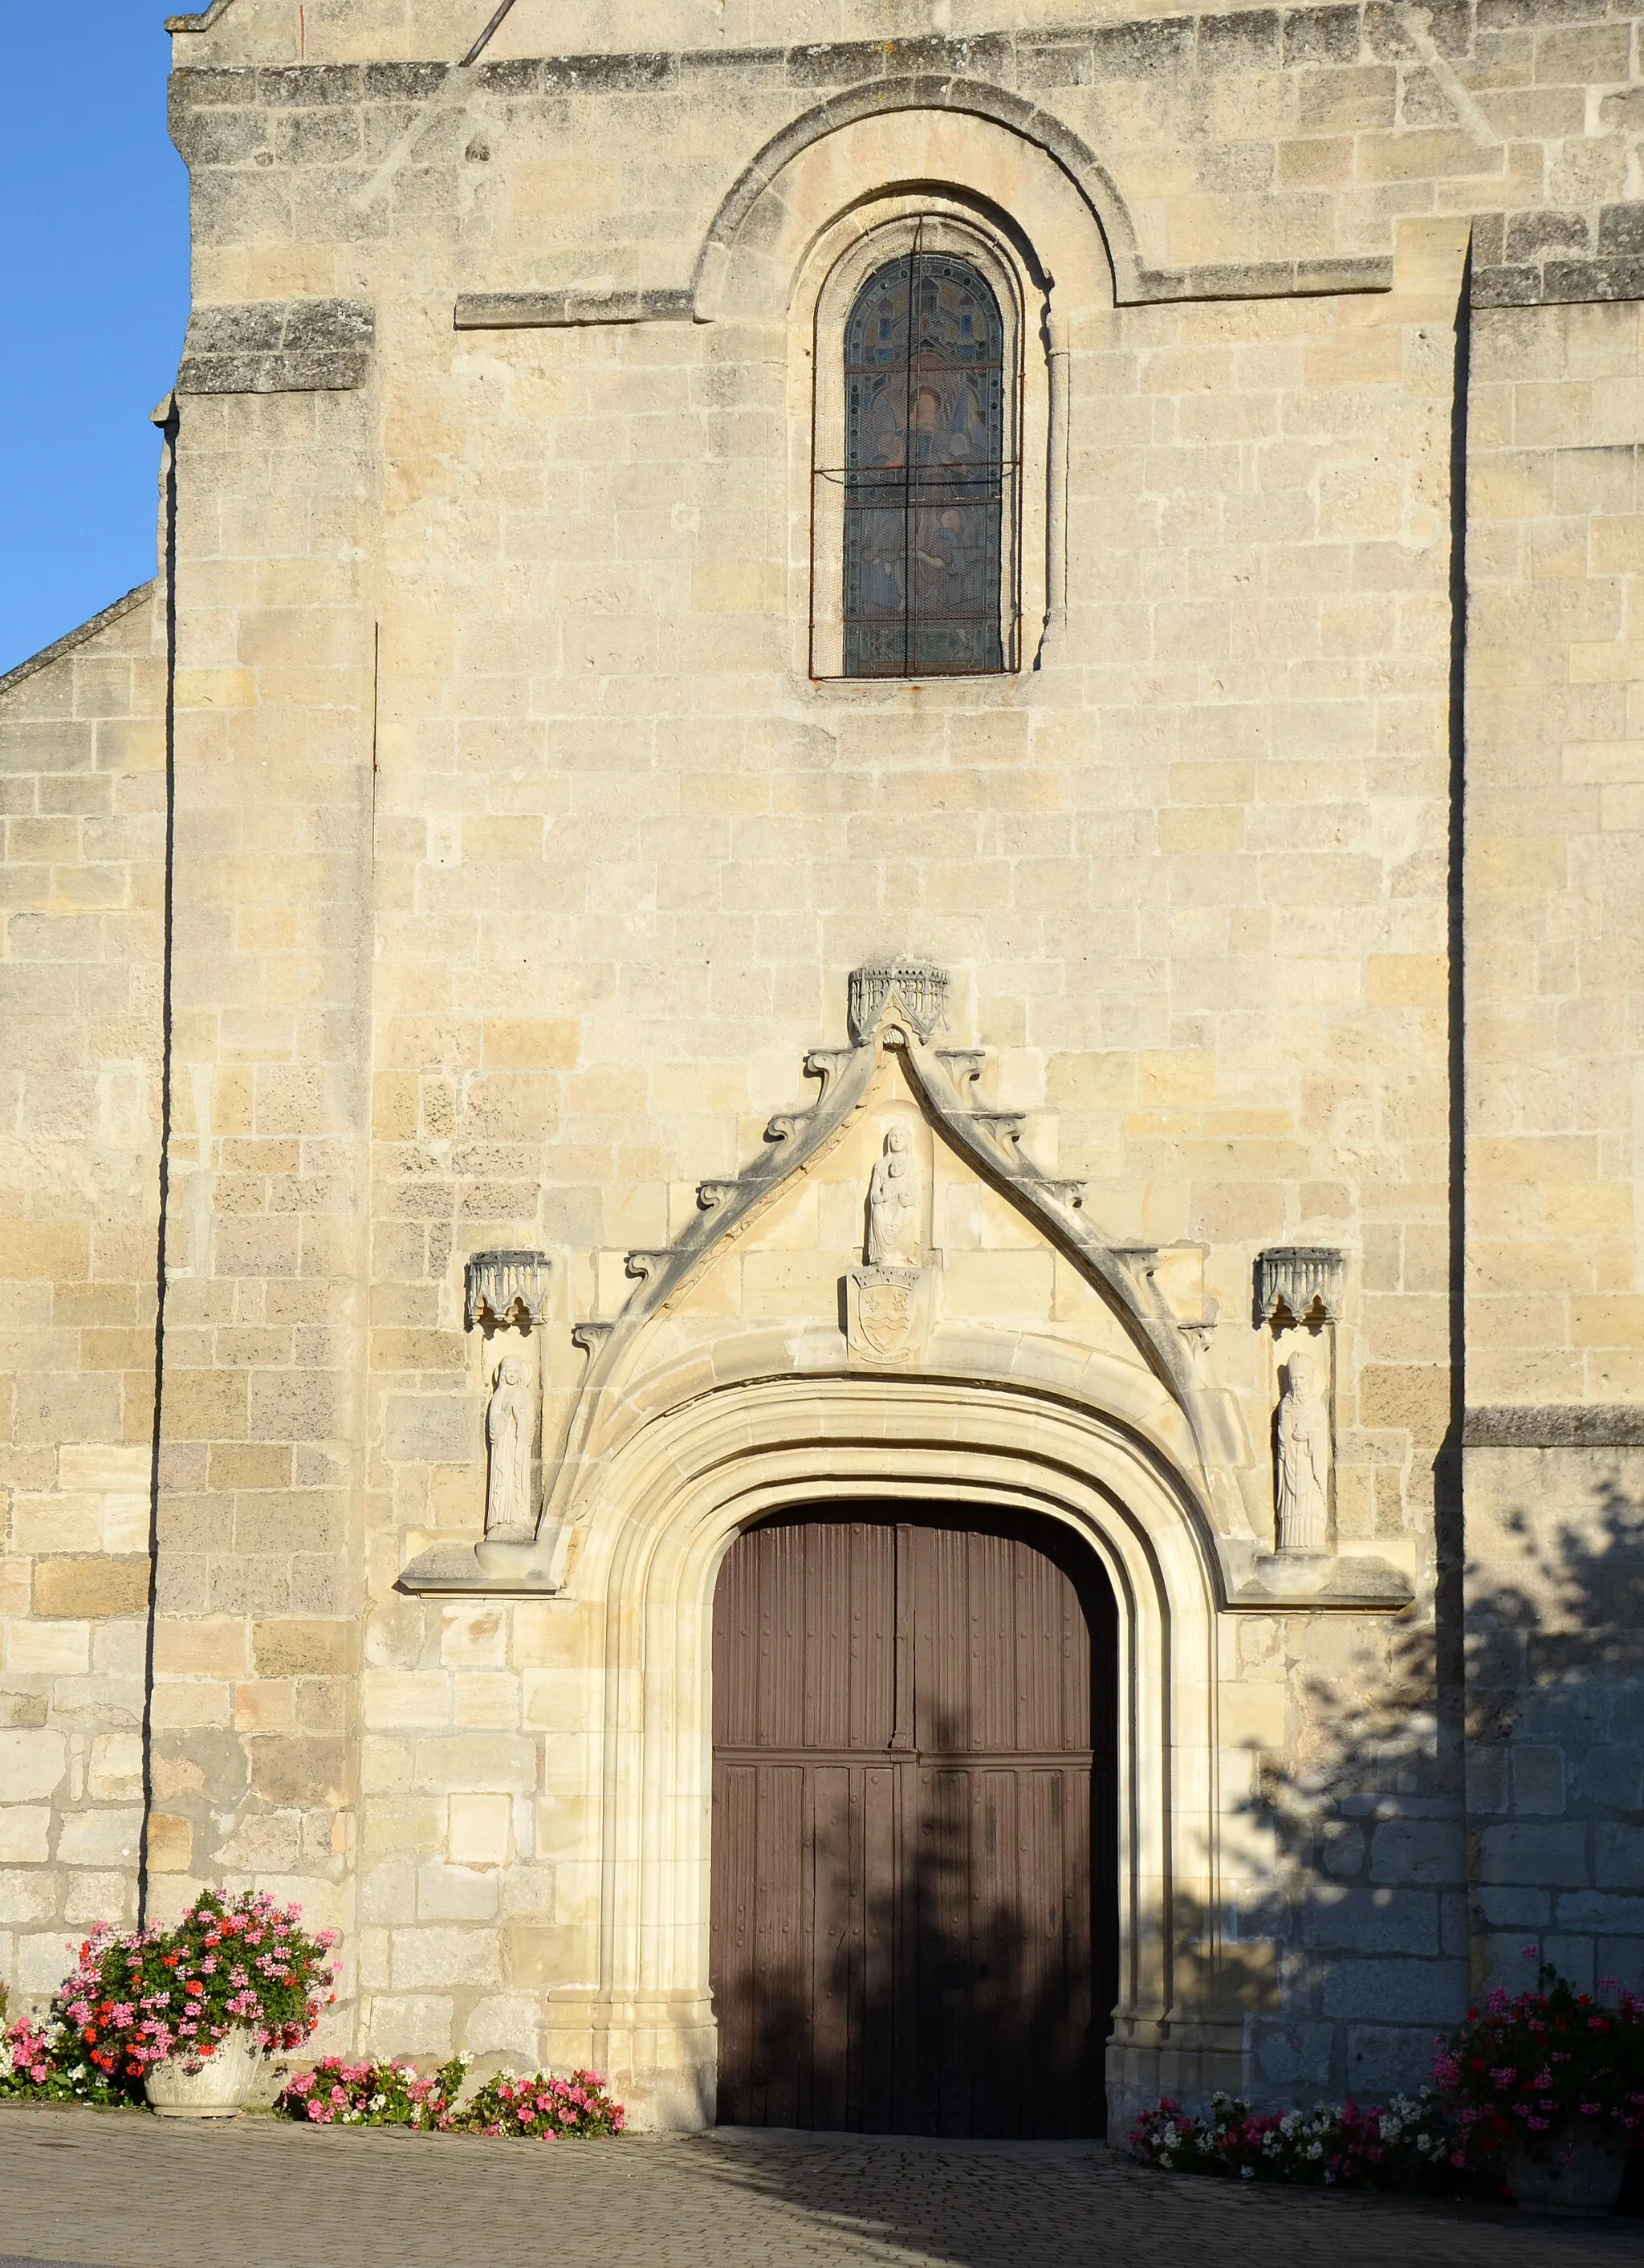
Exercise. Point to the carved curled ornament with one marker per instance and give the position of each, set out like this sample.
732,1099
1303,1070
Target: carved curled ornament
912,988
496,1282
1293,1278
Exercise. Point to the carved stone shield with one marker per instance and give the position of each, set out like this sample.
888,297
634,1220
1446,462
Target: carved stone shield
887,1312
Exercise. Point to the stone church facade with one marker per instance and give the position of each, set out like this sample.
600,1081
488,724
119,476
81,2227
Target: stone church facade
884,765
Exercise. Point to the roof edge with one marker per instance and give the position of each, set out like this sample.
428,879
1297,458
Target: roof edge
66,642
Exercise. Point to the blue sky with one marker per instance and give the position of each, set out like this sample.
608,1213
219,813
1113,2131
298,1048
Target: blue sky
94,263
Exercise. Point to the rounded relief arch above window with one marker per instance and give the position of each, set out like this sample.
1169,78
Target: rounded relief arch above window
926,542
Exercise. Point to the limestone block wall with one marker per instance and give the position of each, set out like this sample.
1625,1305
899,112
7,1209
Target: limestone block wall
1555,885
257,1640
1555,1009
1556,1701
1351,1901
82,814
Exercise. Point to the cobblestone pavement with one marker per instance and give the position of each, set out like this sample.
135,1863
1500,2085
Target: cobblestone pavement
121,2190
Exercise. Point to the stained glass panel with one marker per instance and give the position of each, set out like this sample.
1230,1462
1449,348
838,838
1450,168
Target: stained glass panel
925,471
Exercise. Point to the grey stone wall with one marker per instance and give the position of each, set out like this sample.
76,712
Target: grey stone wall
1555,1689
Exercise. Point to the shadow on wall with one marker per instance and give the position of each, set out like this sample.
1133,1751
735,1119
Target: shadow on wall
1555,1688
945,1985
1430,1823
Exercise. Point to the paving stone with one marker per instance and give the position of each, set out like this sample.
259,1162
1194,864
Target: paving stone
126,2191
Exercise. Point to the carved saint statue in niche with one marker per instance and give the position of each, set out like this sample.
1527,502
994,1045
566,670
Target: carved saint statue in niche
1303,1459
896,1202
510,1423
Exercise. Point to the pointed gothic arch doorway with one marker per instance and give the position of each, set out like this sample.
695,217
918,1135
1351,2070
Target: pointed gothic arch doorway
914,1917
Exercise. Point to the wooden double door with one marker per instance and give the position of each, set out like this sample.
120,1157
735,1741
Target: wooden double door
914,1909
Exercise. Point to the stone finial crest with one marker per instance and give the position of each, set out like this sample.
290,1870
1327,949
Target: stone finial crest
915,988
1293,1277
495,1283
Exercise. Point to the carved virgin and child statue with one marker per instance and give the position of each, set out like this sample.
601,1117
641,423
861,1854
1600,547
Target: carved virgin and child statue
895,1205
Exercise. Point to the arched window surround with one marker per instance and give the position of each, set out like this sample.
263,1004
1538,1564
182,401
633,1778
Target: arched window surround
932,226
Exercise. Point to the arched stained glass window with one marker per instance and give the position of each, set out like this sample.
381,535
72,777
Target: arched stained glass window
925,471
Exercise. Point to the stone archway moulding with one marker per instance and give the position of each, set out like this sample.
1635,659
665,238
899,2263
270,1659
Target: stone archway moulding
673,1499
885,98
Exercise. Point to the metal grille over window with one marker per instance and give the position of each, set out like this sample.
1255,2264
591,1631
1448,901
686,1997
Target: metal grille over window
924,473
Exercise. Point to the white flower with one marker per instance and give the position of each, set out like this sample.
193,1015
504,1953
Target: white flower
1315,2149
1247,2173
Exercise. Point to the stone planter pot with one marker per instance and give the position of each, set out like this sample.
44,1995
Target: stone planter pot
1579,2180
217,2087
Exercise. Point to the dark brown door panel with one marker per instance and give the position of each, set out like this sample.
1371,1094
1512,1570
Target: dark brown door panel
914,1902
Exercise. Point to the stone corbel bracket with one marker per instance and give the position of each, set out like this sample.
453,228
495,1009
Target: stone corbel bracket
497,1286
892,1006
1295,1279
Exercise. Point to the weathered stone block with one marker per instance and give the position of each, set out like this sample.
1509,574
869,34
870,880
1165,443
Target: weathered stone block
32,1764
1397,1991
464,1763
1372,1921
1552,1856
1417,1851
106,1837
446,1957
25,1833
296,1648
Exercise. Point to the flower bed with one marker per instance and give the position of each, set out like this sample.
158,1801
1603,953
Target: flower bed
339,2094
1541,2071
35,2068
548,2109
336,2093
1408,2145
